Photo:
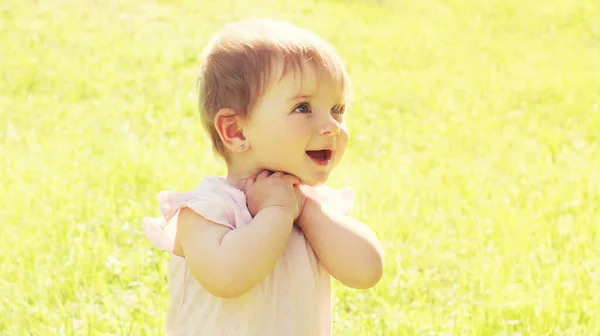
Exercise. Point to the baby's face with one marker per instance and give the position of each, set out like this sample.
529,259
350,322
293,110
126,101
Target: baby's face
298,127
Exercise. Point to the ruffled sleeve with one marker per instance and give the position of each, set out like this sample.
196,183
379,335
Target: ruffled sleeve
341,200
160,231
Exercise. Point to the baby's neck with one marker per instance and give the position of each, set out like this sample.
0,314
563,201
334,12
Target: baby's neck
238,174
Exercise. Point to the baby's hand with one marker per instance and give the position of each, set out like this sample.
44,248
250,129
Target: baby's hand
274,190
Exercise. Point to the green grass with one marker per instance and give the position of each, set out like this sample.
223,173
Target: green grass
475,154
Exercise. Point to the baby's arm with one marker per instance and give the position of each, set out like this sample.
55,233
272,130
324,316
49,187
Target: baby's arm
226,262
347,248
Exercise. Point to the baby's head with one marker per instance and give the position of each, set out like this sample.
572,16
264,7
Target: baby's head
273,96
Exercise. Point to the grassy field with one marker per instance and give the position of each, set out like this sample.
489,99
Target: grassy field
475,154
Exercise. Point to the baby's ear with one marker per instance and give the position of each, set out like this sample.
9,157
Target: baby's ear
229,125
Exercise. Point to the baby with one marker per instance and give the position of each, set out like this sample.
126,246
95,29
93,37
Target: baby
252,253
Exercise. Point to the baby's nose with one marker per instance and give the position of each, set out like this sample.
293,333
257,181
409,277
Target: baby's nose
330,127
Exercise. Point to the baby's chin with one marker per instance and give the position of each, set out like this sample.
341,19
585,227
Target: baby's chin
315,180
313,184
312,179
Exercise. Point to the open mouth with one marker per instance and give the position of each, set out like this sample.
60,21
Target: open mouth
321,157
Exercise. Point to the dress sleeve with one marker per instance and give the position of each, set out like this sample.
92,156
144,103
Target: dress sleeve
160,231
341,200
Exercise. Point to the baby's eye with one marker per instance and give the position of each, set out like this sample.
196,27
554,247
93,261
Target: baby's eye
302,108
338,109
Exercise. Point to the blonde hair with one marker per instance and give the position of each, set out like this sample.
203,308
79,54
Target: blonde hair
238,64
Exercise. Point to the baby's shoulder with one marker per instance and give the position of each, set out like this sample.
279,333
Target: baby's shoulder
213,191
212,198
216,186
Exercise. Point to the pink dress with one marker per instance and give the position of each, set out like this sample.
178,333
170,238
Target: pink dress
294,300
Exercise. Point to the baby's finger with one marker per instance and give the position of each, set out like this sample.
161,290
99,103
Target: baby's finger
278,174
293,180
249,182
263,175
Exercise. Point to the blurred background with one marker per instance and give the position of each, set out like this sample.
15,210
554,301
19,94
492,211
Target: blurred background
475,155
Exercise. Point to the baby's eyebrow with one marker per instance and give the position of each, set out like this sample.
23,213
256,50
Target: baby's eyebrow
301,96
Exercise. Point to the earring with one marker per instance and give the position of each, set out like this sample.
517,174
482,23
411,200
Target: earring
242,146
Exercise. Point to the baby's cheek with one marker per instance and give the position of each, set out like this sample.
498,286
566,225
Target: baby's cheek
343,139
344,131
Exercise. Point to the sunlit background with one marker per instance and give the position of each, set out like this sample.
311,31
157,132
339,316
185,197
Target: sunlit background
475,156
